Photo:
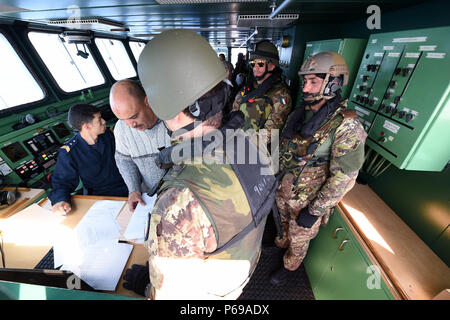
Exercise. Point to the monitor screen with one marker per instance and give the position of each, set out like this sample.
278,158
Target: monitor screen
61,130
14,152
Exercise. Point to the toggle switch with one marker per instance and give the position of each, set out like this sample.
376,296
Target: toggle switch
405,72
392,84
409,117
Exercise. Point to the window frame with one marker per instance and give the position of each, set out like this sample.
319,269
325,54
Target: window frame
28,105
129,45
60,91
131,57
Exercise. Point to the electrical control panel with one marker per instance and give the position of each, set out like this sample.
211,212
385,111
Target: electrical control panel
401,96
44,148
30,153
350,49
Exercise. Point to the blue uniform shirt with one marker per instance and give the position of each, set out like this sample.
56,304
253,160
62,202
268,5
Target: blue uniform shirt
94,164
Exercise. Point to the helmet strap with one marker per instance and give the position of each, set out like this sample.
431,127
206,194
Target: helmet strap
204,109
314,99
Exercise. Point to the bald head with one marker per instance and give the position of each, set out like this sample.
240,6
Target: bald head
130,104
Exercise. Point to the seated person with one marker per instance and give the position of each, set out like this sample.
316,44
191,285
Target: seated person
89,155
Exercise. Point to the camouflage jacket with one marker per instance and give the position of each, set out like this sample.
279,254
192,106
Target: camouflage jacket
268,111
322,179
200,206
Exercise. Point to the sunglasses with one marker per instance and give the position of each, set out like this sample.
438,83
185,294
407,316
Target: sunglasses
259,63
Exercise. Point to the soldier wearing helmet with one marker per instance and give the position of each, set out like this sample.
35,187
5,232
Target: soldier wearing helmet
265,99
321,152
205,230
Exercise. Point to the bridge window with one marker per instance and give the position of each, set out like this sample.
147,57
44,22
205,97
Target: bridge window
116,58
17,85
71,70
235,52
136,48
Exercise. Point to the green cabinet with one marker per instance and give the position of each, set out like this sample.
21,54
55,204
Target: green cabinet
338,267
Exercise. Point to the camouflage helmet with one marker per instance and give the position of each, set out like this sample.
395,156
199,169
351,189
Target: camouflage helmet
176,68
265,50
331,64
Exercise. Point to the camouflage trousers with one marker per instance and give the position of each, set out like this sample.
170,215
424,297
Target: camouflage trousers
295,238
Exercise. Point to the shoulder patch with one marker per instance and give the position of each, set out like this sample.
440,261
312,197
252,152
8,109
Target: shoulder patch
67,148
348,113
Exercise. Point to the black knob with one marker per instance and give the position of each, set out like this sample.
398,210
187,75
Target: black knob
392,84
387,95
388,109
409,117
361,88
382,106
401,114
405,71
365,78
371,102
369,90
394,111
358,97
397,71
397,99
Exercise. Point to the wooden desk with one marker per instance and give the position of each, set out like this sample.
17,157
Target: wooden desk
28,257
414,269
26,197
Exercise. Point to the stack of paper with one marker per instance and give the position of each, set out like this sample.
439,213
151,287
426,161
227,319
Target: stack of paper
92,251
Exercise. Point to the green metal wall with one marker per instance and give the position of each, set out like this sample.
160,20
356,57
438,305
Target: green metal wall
421,199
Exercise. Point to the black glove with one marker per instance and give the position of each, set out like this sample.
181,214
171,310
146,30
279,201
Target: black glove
136,278
305,219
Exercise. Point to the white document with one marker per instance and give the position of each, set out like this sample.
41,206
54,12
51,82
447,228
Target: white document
102,265
136,225
112,207
97,226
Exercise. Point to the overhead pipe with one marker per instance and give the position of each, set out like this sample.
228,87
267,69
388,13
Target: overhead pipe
277,10
251,36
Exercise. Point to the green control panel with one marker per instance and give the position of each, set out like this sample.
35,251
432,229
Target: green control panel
29,153
401,96
350,49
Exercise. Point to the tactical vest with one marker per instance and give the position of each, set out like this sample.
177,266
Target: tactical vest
235,197
258,109
299,154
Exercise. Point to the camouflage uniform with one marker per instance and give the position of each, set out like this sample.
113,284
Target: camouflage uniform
200,207
318,181
268,111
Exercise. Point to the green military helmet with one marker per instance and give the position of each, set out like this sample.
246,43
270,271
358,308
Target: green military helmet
176,68
331,64
265,50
